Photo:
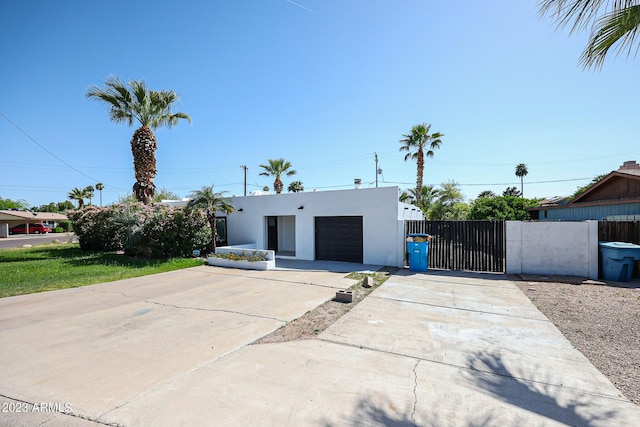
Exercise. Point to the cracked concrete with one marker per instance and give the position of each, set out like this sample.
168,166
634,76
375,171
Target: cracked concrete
423,349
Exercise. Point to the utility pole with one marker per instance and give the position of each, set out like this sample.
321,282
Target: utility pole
376,169
245,179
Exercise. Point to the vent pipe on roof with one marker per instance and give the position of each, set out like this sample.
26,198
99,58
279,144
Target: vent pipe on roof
357,182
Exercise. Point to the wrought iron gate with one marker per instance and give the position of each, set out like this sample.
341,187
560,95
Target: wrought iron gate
463,245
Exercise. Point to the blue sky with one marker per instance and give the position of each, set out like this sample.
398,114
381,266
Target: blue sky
323,83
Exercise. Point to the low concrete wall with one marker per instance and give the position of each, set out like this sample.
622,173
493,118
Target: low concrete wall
565,248
247,249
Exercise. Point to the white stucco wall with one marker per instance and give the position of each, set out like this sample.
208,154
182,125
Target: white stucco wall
383,237
566,248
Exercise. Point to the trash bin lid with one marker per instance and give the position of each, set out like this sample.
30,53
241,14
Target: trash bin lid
618,245
417,235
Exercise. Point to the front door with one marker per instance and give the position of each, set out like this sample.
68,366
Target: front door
272,233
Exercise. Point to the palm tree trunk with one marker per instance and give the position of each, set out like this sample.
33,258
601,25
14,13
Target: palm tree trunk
420,163
143,148
278,185
214,231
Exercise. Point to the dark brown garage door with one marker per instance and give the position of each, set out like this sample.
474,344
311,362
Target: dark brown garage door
339,238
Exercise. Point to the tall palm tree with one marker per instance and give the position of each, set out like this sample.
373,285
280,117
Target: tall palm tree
151,109
521,172
78,194
90,192
277,168
610,23
415,142
100,187
211,203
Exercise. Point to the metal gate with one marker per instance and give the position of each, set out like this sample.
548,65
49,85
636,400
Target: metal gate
463,245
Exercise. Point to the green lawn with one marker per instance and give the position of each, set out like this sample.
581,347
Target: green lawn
59,266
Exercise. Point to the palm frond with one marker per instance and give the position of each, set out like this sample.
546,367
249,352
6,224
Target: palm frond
618,27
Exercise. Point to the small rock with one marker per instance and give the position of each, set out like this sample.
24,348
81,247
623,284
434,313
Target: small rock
532,289
368,282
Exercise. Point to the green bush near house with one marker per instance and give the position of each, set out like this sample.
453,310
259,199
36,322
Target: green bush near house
146,231
58,230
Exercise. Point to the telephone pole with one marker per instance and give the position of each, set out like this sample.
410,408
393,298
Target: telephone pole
245,179
376,169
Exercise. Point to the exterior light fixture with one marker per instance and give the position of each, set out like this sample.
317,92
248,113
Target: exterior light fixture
300,208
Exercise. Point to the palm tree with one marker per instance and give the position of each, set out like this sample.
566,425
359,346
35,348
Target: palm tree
212,203
79,195
152,109
414,144
90,191
512,191
610,23
100,187
277,168
521,172
295,187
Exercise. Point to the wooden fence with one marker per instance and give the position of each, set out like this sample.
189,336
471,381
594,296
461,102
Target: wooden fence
463,245
619,231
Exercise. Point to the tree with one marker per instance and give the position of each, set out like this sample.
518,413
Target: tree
211,203
449,204
151,109
277,168
6,204
90,191
584,188
79,195
423,201
501,208
100,187
56,207
415,142
512,191
295,187
609,22
487,193
521,172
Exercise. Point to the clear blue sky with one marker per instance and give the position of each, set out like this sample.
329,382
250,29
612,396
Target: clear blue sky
322,83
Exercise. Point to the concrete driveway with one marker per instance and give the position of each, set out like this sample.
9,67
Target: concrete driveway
428,349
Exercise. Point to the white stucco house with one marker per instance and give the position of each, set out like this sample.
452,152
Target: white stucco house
356,225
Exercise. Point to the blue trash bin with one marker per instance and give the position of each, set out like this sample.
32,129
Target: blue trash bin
618,259
418,250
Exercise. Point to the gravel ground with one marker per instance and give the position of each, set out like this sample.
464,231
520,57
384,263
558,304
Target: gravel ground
600,320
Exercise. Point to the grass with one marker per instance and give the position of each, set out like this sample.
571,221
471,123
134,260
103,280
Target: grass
59,266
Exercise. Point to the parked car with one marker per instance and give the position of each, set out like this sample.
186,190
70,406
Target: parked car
33,229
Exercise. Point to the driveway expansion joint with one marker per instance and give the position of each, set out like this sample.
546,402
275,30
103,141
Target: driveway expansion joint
474,369
460,308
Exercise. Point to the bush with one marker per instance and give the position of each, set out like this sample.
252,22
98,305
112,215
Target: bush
144,231
58,230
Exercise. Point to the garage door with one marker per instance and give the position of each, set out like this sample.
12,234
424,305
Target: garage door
339,238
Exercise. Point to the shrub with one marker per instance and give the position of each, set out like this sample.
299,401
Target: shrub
58,230
157,231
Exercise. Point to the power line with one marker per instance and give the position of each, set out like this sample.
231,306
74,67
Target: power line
51,153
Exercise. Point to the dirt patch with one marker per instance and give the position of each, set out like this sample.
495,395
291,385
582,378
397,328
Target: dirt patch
317,320
600,320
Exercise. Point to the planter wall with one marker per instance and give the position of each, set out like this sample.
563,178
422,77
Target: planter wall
269,264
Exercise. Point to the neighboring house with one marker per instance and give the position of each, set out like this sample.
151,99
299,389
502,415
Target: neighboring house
10,218
615,197
359,225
